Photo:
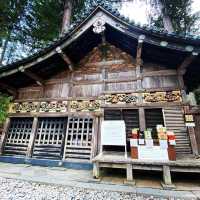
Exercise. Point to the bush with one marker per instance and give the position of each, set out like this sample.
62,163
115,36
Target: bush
4,105
197,95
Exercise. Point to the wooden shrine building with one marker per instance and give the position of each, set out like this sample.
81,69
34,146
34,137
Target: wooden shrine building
104,68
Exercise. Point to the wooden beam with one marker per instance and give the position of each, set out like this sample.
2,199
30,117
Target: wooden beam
31,75
187,61
65,58
10,89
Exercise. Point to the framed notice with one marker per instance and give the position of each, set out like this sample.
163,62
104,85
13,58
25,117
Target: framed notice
189,121
113,133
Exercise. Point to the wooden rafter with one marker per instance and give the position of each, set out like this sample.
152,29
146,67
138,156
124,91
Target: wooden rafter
65,58
33,76
187,61
9,88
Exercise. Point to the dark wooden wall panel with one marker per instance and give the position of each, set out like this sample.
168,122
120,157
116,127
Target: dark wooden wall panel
160,82
121,86
93,90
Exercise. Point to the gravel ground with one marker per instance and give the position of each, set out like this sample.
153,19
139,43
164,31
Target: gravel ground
11,189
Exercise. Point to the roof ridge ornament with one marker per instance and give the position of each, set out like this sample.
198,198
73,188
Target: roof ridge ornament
99,26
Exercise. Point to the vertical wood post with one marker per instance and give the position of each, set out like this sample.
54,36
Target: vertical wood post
139,62
167,175
3,136
96,170
182,87
129,172
32,137
71,85
95,137
193,141
142,120
192,135
104,74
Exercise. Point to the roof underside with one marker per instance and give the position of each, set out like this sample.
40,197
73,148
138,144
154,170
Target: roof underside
124,38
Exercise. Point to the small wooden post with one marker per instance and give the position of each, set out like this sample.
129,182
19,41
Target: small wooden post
167,181
96,170
129,175
32,137
129,172
3,136
192,136
167,175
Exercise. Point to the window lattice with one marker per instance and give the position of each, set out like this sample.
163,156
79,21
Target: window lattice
18,136
49,138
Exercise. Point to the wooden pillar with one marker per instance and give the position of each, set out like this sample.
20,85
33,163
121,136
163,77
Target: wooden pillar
104,77
71,84
95,137
96,170
167,175
192,135
32,137
193,141
142,120
139,62
182,87
3,136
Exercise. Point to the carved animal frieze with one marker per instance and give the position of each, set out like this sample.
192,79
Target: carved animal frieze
82,105
53,106
172,96
23,107
121,98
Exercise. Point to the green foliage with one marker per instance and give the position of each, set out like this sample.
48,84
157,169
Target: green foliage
180,14
197,95
4,104
11,13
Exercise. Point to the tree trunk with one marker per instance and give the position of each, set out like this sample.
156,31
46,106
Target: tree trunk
66,15
4,49
167,22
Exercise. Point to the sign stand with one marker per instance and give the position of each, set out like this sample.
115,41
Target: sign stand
113,133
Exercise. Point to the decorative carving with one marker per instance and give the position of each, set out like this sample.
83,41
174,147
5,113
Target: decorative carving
99,26
23,107
54,106
172,96
92,105
121,98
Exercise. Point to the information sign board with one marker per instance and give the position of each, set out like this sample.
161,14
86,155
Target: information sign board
113,133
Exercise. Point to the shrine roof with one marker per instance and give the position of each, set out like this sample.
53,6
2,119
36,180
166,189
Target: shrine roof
168,49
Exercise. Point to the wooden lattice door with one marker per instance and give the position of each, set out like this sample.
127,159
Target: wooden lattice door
50,138
79,135
18,136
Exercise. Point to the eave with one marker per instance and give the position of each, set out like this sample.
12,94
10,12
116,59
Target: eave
167,49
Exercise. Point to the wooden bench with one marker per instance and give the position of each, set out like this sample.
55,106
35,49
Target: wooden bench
166,167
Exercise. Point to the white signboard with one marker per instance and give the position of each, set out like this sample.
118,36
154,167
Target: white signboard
190,124
113,133
152,153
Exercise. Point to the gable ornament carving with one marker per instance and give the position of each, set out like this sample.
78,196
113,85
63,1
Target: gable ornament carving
99,26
